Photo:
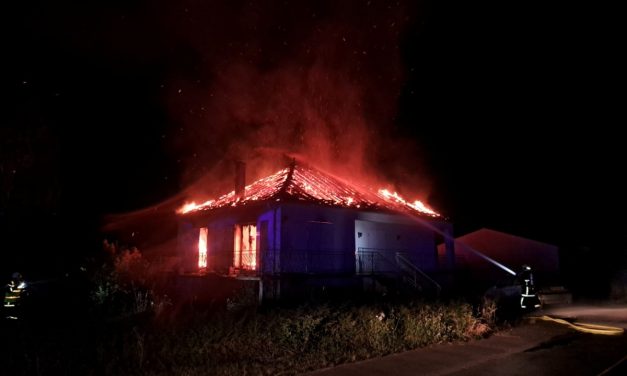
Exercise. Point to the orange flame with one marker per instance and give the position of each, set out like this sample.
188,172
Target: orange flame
202,248
191,206
259,190
309,184
416,205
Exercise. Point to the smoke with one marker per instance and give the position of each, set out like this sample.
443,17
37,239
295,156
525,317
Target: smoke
320,81
256,81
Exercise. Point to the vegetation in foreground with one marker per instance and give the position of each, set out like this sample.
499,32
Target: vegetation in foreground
135,335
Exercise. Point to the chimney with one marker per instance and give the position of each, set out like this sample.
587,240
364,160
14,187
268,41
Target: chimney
240,178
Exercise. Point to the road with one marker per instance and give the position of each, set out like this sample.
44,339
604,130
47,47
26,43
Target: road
570,354
535,348
601,313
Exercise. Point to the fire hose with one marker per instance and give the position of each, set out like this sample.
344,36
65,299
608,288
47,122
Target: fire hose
583,327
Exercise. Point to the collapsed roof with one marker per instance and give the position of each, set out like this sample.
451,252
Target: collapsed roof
303,183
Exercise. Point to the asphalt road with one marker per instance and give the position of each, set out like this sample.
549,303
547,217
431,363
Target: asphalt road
601,313
570,354
534,348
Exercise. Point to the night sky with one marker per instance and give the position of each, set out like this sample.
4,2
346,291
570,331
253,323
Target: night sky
501,115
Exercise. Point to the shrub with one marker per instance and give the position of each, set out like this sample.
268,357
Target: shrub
259,341
120,284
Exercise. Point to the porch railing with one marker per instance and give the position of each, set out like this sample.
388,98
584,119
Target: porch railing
371,261
365,262
416,276
309,261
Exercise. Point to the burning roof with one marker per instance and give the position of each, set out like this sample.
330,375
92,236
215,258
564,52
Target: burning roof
304,183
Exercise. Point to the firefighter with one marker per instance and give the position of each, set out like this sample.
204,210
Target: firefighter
13,295
528,298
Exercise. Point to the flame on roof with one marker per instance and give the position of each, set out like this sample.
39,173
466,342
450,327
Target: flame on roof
303,183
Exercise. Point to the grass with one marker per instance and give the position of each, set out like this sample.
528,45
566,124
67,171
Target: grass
251,341
122,327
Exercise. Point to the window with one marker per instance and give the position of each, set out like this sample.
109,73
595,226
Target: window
440,259
202,248
245,248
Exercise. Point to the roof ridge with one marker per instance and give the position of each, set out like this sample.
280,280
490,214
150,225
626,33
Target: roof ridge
303,182
288,180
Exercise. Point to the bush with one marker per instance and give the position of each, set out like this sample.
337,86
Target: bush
241,338
286,341
121,284
260,341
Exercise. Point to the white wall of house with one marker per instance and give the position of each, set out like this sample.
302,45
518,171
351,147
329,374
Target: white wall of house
312,238
320,229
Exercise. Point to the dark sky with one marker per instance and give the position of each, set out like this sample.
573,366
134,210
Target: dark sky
502,115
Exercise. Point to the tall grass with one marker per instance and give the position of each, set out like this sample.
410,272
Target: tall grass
131,331
285,341
257,341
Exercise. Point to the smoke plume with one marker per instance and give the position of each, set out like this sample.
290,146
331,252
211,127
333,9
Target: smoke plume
319,81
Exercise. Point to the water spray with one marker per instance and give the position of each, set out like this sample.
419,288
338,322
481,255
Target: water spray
474,251
490,260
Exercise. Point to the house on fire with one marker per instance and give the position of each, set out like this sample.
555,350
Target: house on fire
303,227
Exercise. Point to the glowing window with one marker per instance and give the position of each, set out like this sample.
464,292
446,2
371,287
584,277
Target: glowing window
245,250
202,248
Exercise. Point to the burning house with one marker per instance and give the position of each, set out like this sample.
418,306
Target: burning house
304,228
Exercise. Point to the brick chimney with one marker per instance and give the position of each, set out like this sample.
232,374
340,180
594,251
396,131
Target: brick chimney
240,178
